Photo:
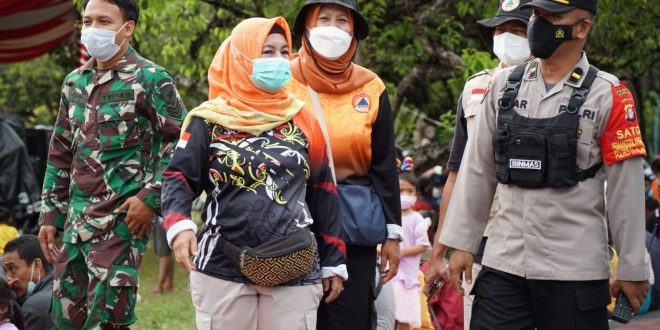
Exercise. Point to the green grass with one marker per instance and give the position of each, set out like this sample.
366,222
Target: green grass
171,310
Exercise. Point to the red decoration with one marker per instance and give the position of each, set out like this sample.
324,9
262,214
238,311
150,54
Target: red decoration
29,29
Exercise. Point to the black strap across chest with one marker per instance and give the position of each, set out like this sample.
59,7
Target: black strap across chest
577,98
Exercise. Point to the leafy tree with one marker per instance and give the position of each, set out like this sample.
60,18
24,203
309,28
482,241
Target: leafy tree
625,43
424,50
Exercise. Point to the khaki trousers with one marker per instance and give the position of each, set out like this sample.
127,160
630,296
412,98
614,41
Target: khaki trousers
468,298
221,304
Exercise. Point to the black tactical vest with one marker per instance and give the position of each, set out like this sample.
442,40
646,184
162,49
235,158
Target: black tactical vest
540,152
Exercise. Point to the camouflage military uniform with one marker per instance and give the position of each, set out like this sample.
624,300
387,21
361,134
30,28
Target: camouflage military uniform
114,135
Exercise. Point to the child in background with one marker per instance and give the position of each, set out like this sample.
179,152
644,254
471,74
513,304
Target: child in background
414,242
7,231
165,281
10,312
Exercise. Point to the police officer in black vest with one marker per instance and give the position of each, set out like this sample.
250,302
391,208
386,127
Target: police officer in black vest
551,133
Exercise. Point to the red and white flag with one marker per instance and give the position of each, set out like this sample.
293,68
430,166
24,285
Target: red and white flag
183,141
478,94
29,29
83,55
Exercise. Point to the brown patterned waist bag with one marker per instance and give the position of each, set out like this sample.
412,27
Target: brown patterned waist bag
275,262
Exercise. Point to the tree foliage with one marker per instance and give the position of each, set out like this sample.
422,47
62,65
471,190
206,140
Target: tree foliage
424,50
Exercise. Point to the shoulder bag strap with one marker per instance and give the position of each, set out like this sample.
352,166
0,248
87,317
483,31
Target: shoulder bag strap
319,116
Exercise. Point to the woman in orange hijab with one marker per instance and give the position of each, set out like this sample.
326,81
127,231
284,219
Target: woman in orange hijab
259,155
355,106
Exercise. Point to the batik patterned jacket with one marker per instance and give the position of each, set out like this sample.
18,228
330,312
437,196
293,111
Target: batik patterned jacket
258,188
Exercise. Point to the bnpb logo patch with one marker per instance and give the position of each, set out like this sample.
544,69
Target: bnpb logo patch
361,103
509,5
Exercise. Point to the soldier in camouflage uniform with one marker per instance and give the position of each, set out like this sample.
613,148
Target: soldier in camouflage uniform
118,123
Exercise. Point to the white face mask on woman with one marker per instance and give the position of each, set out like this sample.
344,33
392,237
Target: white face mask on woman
100,43
510,48
329,41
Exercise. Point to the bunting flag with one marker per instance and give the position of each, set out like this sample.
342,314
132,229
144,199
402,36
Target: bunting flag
29,29
83,55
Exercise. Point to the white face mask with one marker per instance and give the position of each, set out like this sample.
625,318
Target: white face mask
407,201
329,41
510,48
436,192
100,43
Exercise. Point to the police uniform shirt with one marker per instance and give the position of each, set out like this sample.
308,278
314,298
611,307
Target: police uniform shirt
557,233
469,105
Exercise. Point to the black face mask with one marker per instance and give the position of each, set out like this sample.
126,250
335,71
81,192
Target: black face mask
545,37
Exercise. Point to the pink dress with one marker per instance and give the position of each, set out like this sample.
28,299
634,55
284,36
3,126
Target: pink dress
405,285
6,325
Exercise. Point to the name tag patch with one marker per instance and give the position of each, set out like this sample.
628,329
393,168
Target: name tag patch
525,164
118,96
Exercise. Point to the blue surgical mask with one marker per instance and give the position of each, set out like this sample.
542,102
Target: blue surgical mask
270,73
31,286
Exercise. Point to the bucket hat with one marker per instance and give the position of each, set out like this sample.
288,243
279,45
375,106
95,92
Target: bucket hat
361,29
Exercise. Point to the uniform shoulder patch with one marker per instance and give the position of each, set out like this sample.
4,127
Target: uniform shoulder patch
622,138
478,94
170,97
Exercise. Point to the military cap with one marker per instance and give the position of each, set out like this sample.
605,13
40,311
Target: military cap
509,10
562,6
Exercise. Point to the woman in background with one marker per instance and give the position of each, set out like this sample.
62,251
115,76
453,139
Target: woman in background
11,317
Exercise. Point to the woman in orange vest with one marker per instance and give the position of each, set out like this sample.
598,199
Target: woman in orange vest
358,116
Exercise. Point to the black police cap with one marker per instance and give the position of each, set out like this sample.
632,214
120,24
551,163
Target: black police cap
509,10
562,6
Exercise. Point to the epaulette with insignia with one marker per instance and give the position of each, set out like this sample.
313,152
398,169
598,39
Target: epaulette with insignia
612,79
575,76
480,73
533,71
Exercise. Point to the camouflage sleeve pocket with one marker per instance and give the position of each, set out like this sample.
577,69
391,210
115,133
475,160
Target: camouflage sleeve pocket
121,295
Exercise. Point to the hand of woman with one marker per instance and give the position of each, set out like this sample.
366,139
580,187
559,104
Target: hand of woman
335,284
185,246
389,259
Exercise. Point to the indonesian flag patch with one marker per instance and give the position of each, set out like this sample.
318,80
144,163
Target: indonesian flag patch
183,141
477,94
